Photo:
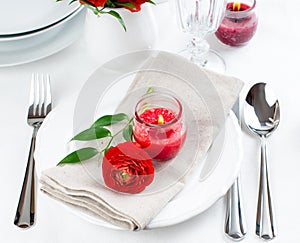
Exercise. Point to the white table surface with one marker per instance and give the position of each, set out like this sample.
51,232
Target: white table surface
272,56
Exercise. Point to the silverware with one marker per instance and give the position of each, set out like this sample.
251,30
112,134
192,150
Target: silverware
39,107
235,225
262,115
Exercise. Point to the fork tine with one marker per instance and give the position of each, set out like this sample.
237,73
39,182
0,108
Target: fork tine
31,97
42,95
36,95
48,102
40,82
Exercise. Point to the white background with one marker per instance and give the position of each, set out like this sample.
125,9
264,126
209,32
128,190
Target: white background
272,56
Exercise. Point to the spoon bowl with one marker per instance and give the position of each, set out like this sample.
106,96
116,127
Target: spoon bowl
261,110
262,115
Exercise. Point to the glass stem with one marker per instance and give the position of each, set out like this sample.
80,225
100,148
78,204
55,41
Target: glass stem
198,47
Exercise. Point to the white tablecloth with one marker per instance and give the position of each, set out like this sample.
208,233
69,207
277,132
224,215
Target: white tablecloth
272,56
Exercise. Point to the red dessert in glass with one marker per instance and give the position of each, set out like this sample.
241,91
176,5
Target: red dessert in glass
159,126
239,24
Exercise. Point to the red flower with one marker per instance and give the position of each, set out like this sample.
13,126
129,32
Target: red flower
95,3
127,168
137,4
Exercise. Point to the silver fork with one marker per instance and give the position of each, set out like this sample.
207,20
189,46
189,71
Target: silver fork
39,107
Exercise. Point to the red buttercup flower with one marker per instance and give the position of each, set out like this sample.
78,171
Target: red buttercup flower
137,4
95,3
127,168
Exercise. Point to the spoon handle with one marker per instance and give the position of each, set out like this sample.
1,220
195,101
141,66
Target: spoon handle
265,222
235,227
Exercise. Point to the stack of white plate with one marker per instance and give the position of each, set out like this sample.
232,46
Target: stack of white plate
33,29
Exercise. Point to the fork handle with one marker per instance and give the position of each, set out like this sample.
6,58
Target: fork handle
265,221
25,215
235,227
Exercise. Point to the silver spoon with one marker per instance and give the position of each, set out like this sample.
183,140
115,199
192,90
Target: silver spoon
262,114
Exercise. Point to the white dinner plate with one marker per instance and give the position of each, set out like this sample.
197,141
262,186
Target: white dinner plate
102,94
40,44
20,17
52,145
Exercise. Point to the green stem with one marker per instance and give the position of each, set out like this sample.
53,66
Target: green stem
128,123
113,136
109,143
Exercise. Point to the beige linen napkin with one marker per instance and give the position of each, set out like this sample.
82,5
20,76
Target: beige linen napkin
208,95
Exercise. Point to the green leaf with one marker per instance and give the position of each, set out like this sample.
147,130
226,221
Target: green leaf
117,16
92,133
128,5
149,90
110,119
149,1
110,4
127,132
79,155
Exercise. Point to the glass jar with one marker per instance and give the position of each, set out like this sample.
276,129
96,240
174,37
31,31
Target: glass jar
159,125
239,23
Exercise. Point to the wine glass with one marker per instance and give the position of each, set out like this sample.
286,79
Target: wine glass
200,18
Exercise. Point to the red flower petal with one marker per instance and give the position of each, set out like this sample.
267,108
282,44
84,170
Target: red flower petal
127,168
95,3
